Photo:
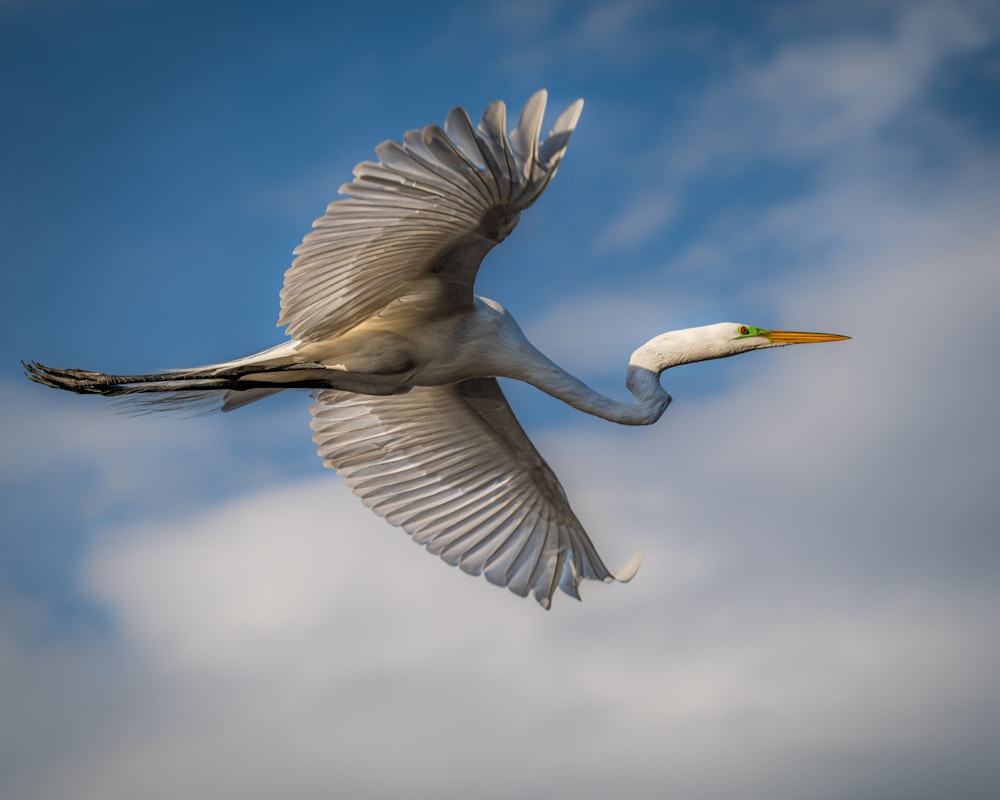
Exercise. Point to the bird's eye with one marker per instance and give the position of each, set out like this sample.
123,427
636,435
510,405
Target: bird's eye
744,330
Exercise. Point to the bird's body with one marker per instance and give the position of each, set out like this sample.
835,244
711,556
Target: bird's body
403,357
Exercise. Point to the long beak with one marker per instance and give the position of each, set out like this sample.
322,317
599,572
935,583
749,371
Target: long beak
797,337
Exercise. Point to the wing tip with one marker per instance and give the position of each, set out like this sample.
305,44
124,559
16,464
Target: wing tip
626,573
567,121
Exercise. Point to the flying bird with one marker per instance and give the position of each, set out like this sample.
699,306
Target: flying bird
403,358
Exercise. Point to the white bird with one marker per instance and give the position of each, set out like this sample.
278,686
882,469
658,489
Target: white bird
403,357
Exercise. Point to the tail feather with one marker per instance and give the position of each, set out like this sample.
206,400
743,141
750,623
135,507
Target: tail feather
185,404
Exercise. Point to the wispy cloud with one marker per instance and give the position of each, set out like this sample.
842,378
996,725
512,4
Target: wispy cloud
833,93
550,35
646,216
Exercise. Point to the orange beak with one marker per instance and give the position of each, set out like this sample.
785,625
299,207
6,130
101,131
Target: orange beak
798,337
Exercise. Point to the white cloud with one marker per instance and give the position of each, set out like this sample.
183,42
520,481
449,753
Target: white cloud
290,642
117,461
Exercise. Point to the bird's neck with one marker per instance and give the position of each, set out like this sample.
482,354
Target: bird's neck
649,404
511,355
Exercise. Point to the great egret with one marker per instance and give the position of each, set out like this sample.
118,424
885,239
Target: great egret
403,357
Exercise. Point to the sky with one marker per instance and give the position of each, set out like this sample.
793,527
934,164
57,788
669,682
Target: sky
194,607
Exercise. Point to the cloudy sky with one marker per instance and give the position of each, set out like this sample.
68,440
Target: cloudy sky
196,608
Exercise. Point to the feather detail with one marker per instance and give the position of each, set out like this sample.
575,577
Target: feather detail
436,202
452,466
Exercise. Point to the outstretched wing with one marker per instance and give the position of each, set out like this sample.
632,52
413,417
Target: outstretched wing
452,467
416,224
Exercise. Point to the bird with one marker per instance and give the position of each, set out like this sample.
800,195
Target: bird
402,357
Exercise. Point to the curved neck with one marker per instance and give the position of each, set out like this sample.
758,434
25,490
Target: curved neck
644,369
503,351
650,398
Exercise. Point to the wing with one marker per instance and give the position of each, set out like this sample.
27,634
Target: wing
452,467
416,224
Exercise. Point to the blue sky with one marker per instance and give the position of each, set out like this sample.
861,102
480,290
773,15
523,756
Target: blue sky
194,607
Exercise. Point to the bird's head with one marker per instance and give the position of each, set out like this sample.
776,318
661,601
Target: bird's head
717,341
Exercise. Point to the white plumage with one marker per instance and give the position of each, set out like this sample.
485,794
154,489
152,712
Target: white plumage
402,357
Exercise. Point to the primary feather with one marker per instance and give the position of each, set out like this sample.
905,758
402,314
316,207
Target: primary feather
452,467
416,224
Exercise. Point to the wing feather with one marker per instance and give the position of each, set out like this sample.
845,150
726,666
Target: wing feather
433,204
452,467
524,138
